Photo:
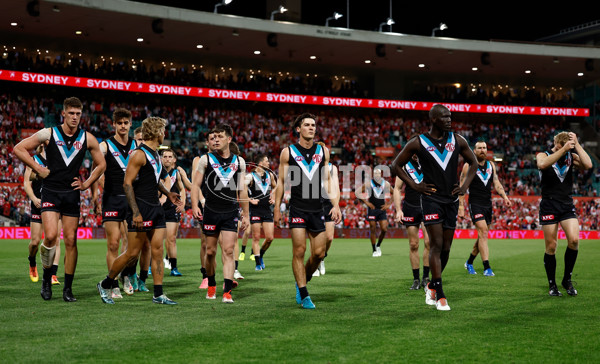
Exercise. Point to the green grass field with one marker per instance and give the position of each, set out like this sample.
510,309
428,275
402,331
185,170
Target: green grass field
365,311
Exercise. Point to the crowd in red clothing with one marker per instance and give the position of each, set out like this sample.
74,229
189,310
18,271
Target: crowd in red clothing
351,135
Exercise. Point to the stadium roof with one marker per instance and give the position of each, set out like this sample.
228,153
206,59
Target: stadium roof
115,26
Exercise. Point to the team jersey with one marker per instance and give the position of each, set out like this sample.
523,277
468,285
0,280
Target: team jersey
480,190
413,169
260,189
305,175
557,180
64,156
439,162
117,157
172,175
377,193
222,178
36,185
145,185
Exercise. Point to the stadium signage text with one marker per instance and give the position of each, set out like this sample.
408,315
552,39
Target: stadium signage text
101,84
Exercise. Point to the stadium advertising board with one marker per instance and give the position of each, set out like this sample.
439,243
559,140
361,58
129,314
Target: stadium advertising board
151,88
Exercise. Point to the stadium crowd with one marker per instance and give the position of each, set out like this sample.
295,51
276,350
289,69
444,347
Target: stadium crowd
226,77
353,136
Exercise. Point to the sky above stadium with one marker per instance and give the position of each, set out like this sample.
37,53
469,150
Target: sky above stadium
520,21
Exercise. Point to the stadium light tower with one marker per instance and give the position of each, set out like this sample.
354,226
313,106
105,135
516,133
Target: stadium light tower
389,22
442,26
224,2
335,16
282,9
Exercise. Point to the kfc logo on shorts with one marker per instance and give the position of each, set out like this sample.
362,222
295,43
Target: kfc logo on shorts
210,227
111,213
408,219
431,217
299,158
370,217
147,224
450,147
255,218
78,145
477,216
547,217
297,220
317,158
47,204
36,217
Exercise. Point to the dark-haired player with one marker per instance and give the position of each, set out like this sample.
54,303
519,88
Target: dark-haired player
65,146
438,152
304,165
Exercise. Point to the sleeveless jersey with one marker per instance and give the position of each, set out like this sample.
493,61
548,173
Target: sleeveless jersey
260,189
117,157
377,195
64,155
557,180
413,169
305,175
172,175
36,185
145,185
439,162
480,190
222,178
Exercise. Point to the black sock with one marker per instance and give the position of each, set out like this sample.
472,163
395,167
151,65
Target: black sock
125,271
68,280
203,271
115,283
211,281
262,253
106,283
158,291
436,284
550,265
444,256
486,264
236,265
380,240
32,262
471,259
416,274
570,258
374,247
143,275
173,262
47,274
303,292
228,285
167,256
425,272
308,276
54,269
257,260
243,249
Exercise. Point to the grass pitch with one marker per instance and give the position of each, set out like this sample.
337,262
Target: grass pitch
365,311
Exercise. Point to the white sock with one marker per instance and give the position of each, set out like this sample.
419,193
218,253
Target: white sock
47,255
